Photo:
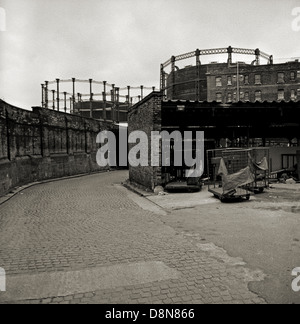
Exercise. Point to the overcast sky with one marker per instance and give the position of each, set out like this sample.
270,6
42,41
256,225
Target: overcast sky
125,41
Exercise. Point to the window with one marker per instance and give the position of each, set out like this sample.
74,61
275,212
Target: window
258,96
298,94
293,95
257,79
229,97
242,78
247,98
293,76
280,95
246,79
234,96
219,82
298,74
281,78
229,80
219,97
242,96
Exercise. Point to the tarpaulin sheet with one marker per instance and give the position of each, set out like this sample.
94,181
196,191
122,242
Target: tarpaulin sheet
233,181
263,165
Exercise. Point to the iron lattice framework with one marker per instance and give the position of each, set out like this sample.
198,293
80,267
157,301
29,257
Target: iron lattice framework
54,98
229,50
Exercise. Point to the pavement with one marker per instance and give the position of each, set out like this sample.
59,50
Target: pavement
89,240
264,232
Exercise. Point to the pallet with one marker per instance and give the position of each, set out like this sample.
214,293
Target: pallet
235,195
182,187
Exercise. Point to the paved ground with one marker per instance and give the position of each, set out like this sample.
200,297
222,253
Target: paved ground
264,232
90,240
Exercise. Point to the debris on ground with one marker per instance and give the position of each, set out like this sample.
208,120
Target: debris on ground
158,190
290,181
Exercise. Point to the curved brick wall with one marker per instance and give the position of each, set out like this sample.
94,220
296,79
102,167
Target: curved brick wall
44,144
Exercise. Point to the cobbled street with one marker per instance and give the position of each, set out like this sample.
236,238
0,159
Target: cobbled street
105,244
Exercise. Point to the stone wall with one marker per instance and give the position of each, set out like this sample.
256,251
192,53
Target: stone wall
146,116
44,144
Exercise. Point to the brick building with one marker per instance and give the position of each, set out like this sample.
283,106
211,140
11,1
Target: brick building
232,82
243,124
244,82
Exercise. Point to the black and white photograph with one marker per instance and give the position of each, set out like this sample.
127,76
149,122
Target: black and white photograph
149,154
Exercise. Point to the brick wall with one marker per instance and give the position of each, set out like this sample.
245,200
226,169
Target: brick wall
146,116
44,144
269,85
185,82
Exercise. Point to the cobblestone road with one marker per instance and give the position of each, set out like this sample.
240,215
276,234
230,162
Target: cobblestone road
92,222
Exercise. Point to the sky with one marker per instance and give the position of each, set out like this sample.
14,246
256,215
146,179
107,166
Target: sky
125,41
